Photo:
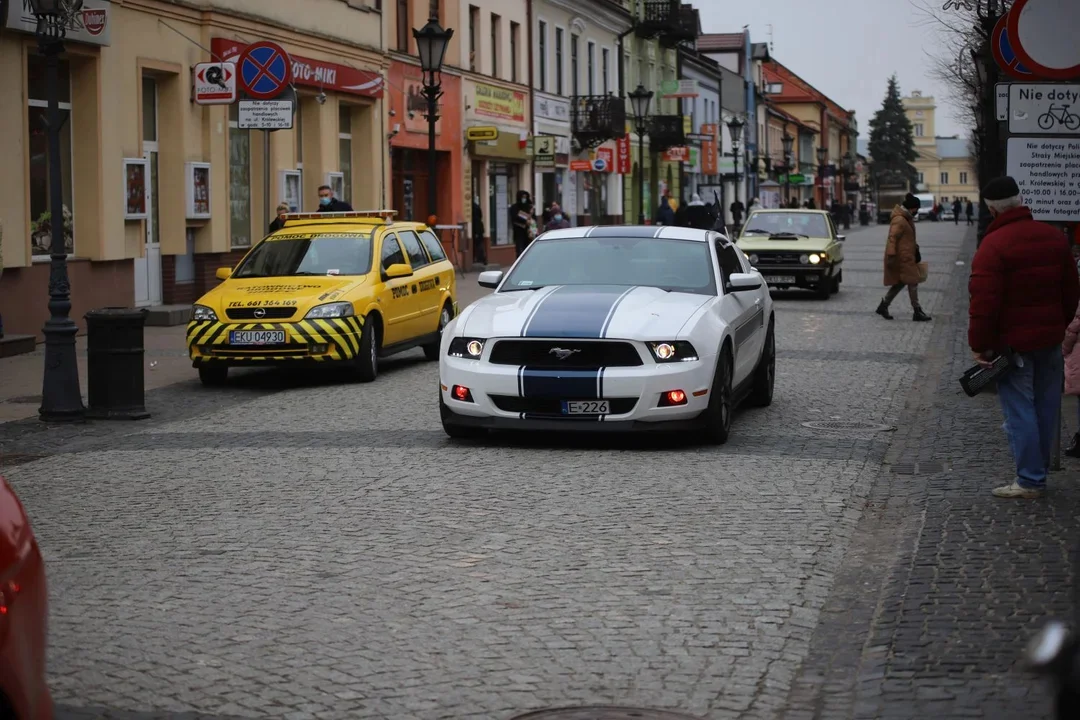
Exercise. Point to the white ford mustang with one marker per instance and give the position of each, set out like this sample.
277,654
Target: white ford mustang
612,328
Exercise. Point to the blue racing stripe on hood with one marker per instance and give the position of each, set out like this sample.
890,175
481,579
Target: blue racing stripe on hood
575,312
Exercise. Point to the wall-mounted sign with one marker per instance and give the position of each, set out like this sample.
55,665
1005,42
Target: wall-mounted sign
320,74
482,132
548,108
266,115
214,83
544,149
498,102
623,162
677,154
91,24
581,165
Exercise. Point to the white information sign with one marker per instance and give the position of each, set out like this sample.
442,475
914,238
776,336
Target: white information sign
266,115
1051,108
1001,94
1048,173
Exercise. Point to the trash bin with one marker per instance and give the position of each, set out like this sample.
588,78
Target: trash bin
114,364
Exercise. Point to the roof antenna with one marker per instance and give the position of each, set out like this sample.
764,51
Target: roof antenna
772,48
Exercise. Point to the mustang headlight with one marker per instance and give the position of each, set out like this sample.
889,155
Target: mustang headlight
201,312
463,347
672,351
330,310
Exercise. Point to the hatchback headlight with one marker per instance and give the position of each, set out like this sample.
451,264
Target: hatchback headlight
672,351
816,259
201,312
330,310
464,347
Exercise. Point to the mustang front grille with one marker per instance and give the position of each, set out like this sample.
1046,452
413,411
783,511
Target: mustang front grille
553,406
565,354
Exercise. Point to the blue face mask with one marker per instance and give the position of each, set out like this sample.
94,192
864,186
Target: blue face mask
558,217
324,201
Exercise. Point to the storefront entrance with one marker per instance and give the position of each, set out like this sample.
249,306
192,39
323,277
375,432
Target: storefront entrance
148,267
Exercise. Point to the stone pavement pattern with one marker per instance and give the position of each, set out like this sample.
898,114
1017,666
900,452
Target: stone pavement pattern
322,550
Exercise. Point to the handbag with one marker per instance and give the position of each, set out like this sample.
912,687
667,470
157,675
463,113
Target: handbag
978,378
924,271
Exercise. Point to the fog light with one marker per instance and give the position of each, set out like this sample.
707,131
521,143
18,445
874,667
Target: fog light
319,348
672,398
462,393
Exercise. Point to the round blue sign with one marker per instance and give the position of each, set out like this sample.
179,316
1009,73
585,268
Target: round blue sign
264,70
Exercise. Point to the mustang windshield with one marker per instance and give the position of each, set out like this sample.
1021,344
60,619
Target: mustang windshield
307,254
787,223
673,265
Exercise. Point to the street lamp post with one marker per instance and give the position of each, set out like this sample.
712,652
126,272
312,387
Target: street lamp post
788,142
61,399
735,129
821,153
431,42
639,103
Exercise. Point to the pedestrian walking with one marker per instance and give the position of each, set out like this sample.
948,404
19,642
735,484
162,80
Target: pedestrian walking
1024,292
557,221
970,210
697,214
521,215
329,203
664,214
956,208
479,249
279,220
737,210
902,258
680,215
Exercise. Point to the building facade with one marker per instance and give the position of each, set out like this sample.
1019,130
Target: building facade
703,173
577,118
945,165
159,191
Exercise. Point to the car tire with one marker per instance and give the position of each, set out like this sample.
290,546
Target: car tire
431,350
761,394
213,375
824,288
452,429
717,416
367,357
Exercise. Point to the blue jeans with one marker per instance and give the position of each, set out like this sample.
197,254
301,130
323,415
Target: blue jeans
1031,402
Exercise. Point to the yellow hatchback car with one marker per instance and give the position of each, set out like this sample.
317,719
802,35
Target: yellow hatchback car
328,288
797,248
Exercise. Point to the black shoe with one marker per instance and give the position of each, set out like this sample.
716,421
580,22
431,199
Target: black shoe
883,310
1073,450
920,316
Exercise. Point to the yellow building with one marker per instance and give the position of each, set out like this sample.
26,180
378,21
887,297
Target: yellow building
160,191
945,165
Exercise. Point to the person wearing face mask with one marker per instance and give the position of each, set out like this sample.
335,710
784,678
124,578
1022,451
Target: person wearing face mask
557,221
1024,291
329,203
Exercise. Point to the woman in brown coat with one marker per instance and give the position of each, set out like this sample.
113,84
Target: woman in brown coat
902,259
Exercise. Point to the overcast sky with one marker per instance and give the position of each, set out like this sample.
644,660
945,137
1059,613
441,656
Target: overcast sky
847,49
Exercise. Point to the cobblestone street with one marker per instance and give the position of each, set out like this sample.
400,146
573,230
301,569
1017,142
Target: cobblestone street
318,548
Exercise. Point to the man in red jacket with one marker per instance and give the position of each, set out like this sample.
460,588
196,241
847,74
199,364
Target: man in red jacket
1024,292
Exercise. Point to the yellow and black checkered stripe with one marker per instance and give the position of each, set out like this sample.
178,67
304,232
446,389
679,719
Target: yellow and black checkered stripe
208,339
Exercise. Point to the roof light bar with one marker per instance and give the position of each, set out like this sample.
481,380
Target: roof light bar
382,214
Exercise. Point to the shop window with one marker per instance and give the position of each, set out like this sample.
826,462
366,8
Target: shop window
345,150
40,203
239,181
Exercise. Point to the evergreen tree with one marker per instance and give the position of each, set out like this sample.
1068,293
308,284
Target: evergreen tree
892,140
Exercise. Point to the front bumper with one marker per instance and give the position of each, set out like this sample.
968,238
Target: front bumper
803,276
514,397
319,341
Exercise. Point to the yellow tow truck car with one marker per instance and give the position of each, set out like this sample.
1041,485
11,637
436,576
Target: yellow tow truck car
341,288
795,248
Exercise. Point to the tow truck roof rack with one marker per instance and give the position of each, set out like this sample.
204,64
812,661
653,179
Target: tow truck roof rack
382,215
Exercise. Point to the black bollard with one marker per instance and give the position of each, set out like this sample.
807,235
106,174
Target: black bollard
114,368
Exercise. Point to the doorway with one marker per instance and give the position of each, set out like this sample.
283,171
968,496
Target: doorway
148,267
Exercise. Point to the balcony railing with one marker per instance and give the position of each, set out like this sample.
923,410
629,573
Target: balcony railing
595,119
667,19
666,131
685,28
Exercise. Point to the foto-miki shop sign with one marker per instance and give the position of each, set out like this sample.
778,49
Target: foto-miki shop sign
496,102
314,73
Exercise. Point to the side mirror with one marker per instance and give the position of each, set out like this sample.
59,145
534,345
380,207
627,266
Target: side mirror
490,278
397,270
223,273
841,238
741,282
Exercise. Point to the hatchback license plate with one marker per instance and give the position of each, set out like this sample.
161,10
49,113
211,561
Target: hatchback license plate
586,407
779,279
256,337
